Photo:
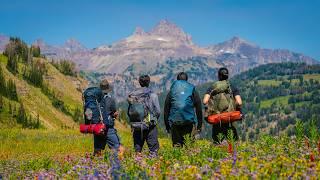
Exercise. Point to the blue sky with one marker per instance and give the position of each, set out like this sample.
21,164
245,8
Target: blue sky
287,24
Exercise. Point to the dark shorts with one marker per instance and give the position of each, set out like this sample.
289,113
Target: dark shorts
178,133
150,136
111,139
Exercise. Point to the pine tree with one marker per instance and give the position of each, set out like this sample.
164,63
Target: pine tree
35,51
1,102
12,90
2,83
37,125
22,117
12,64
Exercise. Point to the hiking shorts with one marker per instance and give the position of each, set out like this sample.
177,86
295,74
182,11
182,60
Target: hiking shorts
111,139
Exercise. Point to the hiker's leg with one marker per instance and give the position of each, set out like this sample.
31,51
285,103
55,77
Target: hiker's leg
177,139
235,134
99,143
152,141
186,130
216,130
113,139
138,140
113,142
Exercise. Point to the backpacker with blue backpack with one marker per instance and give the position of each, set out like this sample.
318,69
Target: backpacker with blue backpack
93,116
92,97
140,110
182,106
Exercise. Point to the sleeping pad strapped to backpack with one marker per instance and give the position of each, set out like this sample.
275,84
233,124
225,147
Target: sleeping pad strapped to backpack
222,106
92,112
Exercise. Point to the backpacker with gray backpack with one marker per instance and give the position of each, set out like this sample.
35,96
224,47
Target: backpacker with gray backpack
221,98
140,110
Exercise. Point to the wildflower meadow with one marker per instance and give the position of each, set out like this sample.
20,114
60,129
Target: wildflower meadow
67,154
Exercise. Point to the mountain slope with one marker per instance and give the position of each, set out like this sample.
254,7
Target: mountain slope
37,103
275,96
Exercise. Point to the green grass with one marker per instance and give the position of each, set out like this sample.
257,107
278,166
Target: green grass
269,83
311,76
3,59
283,100
66,154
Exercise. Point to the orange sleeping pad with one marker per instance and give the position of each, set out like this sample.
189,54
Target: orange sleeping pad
226,117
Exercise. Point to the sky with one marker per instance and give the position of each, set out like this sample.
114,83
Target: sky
285,24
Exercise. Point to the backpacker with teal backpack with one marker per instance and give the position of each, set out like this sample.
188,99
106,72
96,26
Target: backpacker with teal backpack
182,107
221,98
92,97
140,109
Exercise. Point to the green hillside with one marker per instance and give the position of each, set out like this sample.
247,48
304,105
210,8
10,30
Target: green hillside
44,93
276,96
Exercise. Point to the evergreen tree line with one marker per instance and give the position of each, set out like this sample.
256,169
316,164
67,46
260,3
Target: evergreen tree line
19,115
23,119
18,51
8,88
34,73
66,67
60,105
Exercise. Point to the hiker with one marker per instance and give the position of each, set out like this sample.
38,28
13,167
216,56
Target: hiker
111,138
144,112
179,111
229,98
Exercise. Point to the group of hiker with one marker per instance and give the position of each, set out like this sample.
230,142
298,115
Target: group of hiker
182,112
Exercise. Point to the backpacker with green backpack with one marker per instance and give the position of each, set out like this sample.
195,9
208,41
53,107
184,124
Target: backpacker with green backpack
221,98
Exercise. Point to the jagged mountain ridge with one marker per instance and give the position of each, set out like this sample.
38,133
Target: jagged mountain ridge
162,52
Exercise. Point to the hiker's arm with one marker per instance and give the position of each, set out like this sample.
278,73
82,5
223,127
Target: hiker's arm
238,100
113,108
237,97
198,106
166,111
206,99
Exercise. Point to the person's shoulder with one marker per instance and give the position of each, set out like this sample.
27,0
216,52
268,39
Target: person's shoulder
209,90
235,89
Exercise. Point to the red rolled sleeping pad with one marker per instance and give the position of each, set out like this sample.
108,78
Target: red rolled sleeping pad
97,129
225,117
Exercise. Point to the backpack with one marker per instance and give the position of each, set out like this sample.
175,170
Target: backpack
140,109
92,97
221,98
182,106
108,120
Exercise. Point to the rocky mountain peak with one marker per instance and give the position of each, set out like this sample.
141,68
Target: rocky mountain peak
73,45
166,28
234,45
139,31
237,41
